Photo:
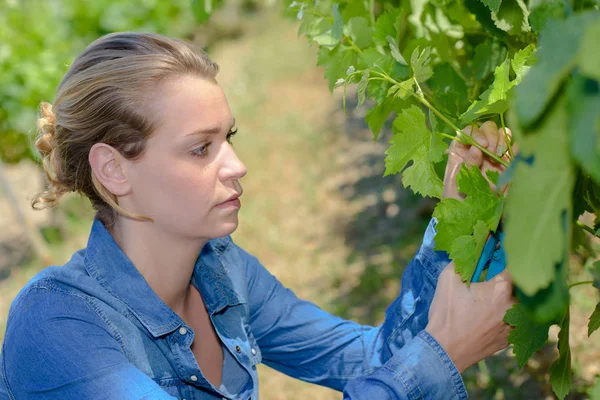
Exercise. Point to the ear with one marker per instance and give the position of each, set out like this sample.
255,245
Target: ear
106,163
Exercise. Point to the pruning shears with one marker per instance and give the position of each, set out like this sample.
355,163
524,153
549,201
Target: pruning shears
493,257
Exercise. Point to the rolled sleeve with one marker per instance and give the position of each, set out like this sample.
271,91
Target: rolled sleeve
420,370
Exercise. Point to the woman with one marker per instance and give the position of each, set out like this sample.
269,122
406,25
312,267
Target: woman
162,304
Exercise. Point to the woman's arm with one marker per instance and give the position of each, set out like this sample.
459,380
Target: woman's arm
57,347
298,338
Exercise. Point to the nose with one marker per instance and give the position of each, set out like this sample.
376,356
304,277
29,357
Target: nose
233,167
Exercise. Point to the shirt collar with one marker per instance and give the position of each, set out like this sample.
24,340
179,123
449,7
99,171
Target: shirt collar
107,263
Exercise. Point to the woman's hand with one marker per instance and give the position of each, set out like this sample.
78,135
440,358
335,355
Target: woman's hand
468,322
489,136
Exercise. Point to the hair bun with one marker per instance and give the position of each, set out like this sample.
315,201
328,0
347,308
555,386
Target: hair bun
45,124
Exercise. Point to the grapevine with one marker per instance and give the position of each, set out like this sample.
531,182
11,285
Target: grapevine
440,65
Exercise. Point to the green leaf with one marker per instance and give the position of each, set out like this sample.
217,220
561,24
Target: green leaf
395,52
202,10
483,16
589,57
560,370
386,26
493,100
542,189
338,24
595,392
336,63
584,124
520,62
321,32
412,141
467,249
376,116
451,89
362,87
594,323
511,17
459,218
420,64
488,55
493,176
528,336
544,10
493,5
359,31
558,51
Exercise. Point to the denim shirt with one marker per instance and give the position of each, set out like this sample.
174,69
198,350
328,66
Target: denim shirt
95,329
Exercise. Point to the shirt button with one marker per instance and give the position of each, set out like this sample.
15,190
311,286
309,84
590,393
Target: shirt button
182,331
238,349
253,352
194,378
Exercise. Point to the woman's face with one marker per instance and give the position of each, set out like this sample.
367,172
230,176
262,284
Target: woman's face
186,174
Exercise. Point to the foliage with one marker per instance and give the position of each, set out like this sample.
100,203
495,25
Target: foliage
440,63
39,38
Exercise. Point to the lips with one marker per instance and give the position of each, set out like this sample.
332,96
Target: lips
233,197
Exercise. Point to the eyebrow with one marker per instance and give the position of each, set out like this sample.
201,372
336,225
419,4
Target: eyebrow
209,131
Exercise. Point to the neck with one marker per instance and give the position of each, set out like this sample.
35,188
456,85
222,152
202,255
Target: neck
165,260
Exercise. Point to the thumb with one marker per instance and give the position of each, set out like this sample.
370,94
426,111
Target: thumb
503,276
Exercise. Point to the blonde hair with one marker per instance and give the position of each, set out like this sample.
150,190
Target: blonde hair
100,100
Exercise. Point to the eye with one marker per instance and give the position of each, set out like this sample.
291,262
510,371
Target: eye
200,151
230,134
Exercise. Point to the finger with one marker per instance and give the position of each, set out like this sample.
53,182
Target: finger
474,157
477,134
490,130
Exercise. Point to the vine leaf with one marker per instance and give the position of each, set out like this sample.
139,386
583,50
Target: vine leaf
543,189
528,336
419,62
462,218
495,99
594,323
362,87
559,47
466,250
386,25
488,55
560,370
395,52
413,141
512,17
493,5
359,31
336,63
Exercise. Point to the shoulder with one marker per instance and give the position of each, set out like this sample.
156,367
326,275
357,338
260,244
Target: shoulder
68,278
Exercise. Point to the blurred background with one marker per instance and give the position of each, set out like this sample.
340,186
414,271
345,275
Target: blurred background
316,212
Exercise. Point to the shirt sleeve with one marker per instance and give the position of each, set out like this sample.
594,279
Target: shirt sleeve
299,339
420,370
57,347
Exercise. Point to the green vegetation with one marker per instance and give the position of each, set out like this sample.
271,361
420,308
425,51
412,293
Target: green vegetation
444,63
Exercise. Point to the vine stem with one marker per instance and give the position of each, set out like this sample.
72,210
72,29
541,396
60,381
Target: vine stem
580,283
353,45
507,139
460,135
585,227
372,11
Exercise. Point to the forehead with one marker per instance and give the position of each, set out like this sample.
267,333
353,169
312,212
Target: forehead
186,104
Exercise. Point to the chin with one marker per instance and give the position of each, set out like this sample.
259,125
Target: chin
226,229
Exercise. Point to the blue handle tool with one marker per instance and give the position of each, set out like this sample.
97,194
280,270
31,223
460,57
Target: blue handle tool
493,257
